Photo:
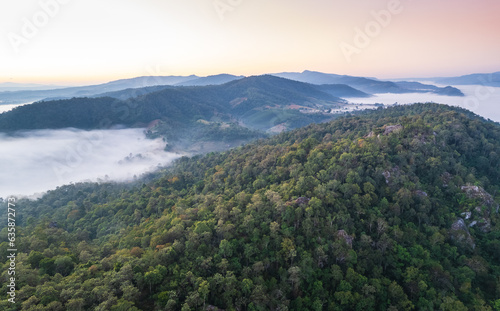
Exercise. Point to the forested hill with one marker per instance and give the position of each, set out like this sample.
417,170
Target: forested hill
394,209
259,102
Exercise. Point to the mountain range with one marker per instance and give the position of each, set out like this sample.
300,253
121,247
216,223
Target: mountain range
362,86
485,79
369,85
256,103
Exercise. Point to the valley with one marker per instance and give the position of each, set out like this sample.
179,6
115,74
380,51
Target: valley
193,118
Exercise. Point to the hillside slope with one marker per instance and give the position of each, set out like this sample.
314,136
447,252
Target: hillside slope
393,209
260,102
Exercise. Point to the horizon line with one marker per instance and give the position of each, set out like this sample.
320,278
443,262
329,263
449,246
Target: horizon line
77,84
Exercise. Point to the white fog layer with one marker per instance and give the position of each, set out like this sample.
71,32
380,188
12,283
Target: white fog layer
9,107
482,100
37,161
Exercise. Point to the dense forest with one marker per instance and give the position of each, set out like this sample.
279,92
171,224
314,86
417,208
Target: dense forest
393,209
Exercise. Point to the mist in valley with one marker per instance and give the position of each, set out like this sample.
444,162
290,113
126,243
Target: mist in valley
33,162
480,99
9,107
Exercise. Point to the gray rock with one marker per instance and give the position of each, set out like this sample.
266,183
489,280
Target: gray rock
388,129
460,234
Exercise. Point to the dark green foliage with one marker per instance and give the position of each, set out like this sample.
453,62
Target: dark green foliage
178,107
356,214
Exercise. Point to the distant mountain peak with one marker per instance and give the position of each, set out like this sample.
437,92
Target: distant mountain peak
210,80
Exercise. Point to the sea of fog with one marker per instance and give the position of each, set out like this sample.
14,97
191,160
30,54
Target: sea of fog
482,100
33,162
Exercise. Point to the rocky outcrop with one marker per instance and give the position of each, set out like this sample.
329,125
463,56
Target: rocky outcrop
479,216
467,215
302,201
421,193
388,129
390,174
476,192
484,224
460,234
384,130
342,234
446,178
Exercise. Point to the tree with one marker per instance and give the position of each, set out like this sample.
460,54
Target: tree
64,265
34,259
294,277
204,290
152,278
288,249
225,248
47,265
75,304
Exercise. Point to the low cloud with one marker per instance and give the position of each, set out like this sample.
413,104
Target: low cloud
36,161
482,100
9,107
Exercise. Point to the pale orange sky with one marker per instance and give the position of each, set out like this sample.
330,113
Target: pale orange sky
81,42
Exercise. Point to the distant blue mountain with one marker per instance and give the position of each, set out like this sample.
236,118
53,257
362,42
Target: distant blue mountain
16,97
346,86
487,79
210,80
367,85
11,86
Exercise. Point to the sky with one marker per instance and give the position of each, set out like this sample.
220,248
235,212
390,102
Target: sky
76,42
